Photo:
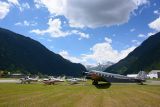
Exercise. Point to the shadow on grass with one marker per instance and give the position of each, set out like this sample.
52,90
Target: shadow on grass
103,85
142,84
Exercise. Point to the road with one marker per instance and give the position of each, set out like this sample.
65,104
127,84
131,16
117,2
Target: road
9,81
153,82
149,82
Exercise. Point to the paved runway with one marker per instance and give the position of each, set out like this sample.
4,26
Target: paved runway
153,82
148,82
9,81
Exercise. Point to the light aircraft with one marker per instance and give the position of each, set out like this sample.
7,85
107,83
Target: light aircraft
97,76
28,80
75,80
52,80
80,79
72,81
58,79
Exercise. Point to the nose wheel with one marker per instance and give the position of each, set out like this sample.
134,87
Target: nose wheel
94,82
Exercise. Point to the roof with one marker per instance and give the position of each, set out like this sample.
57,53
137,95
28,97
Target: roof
17,74
154,71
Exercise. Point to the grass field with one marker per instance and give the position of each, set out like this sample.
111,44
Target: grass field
63,95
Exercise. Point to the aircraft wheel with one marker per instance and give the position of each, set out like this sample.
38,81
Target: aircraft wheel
141,83
95,82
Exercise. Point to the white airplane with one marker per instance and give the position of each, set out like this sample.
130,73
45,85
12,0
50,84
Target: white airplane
80,79
72,81
52,80
97,76
28,80
76,80
57,79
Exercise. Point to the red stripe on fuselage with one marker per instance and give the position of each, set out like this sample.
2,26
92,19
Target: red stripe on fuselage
95,76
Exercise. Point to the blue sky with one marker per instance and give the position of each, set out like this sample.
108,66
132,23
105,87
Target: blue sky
87,32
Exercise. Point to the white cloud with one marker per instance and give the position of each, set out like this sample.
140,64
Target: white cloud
142,36
81,34
54,6
49,40
24,6
55,30
125,52
66,55
75,24
4,9
100,53
155,24
26,23
103,52
14,2
150,34
157,12
21,7
132,30
92,13
108,40
18,24
6,6
136,42
140,2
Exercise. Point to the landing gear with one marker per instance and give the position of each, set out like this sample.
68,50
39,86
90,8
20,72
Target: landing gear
141,83
95,82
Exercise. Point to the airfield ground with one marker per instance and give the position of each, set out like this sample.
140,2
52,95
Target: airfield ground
80,95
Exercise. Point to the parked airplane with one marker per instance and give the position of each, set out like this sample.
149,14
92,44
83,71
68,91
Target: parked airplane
72,81
28,80
81,79
75,80
52,80
58,79
48,81
97,76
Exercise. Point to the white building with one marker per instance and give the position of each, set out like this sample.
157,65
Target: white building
154,74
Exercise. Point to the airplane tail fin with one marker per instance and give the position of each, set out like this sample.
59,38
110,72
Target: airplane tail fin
142,75
37,77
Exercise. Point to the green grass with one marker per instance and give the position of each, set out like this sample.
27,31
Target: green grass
63,95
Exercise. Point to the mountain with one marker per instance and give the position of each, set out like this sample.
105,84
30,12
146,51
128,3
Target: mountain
145,57
99,67
23,54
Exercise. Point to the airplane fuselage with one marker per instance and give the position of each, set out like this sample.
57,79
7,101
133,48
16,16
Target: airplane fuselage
109,77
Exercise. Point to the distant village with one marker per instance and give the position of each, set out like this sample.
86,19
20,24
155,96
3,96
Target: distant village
153,74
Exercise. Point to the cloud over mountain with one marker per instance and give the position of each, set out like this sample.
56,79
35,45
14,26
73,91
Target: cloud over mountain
155,24
104,52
